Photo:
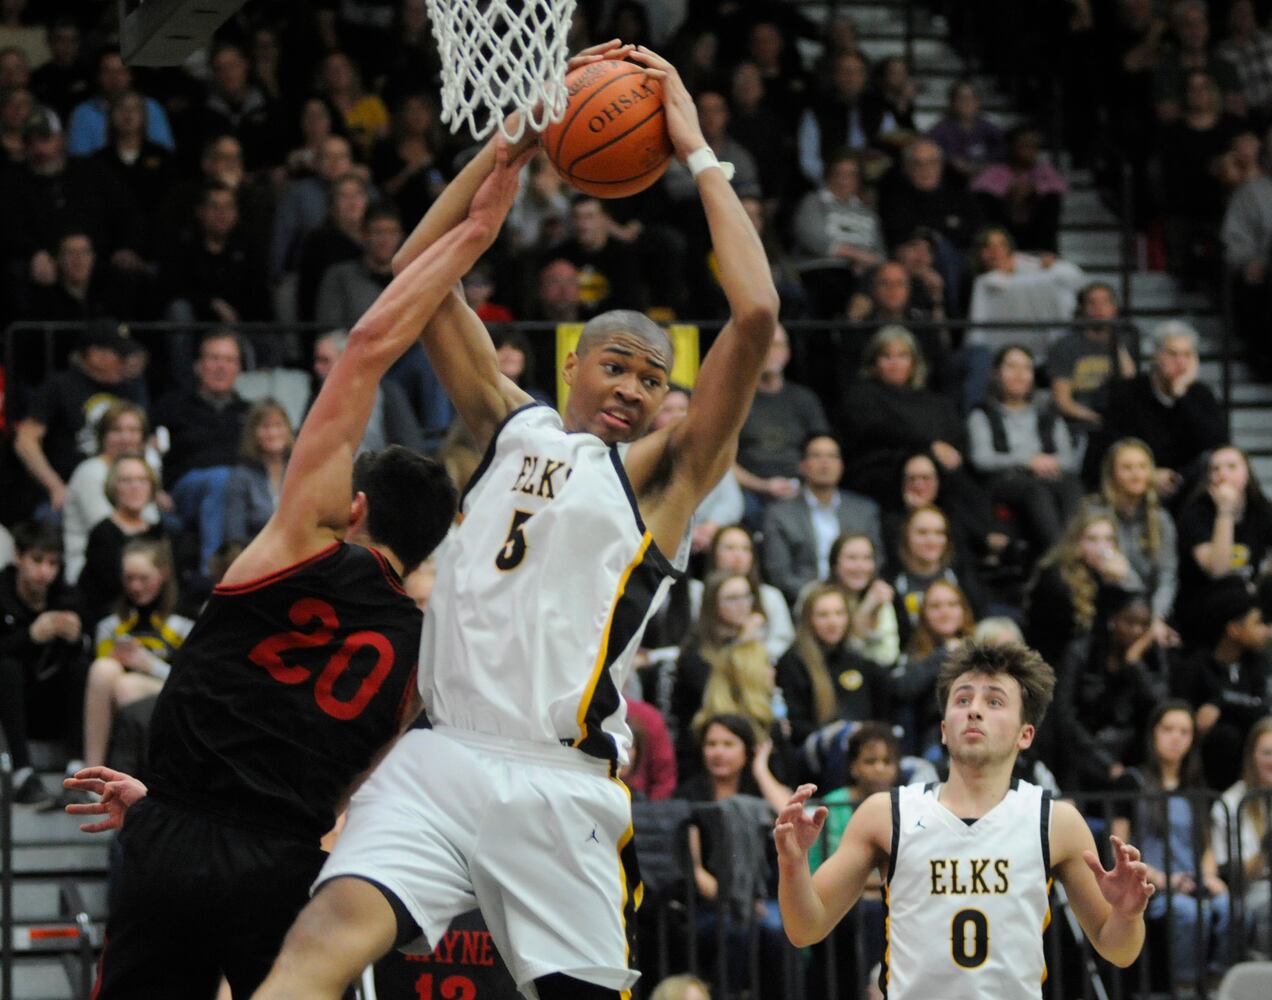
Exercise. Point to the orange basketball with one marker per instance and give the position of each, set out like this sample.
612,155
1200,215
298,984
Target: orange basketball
613,140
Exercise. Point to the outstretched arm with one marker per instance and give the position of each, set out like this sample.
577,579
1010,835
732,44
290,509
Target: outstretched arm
703,444
315,502
1109,904
813,904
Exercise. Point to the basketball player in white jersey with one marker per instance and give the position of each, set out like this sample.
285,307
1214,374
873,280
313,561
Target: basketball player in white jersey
565,549
968,863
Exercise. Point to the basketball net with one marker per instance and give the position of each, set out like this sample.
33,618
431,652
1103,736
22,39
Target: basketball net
499,56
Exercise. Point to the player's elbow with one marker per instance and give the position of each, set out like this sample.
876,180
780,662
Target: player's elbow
803,937
758,317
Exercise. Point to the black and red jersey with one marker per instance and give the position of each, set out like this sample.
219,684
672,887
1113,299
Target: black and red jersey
284,692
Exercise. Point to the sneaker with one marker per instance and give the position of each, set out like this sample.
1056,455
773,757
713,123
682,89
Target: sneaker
31,791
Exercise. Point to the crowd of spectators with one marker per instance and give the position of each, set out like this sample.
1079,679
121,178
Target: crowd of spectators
898,485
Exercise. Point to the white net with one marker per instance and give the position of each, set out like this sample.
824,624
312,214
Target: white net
499,56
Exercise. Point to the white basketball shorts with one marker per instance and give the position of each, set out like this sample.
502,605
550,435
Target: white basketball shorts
538,837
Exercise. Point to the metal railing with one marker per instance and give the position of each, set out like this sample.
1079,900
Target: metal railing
6,873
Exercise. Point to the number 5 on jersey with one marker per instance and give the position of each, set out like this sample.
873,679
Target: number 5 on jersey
513,549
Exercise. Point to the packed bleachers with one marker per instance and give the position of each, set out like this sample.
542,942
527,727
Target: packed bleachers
959,428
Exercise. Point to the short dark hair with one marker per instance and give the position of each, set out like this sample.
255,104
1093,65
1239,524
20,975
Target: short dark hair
36,536
410,501
639,325
380,210
817,436
1036,679
223,333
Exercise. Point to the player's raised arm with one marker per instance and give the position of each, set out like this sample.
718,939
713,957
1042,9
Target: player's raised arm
1109,904
315,503
704,443
813,904
451,206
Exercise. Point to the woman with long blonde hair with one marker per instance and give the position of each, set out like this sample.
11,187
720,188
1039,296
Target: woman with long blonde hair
1062,598
1145,530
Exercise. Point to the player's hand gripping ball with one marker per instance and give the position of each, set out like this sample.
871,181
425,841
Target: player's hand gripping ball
613,140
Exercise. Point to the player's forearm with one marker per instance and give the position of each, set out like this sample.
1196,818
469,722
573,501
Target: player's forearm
745,276
451,206
804,916
1120,939
411,298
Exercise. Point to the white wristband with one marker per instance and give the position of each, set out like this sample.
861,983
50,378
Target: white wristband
705,158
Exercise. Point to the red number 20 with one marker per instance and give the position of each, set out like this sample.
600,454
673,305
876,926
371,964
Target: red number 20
453,988
321,617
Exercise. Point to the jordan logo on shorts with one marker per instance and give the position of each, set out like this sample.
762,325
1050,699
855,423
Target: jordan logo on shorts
593,835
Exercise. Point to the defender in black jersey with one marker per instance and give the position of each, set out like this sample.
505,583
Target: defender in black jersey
297,675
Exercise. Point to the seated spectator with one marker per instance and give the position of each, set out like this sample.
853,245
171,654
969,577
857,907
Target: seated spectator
251,495
837,234
122,430
87,131
63,81
1067,585
973,531
1012,287
946,619
204,426
318,120
556,297
516,363
17,105
1191,51
755,124
1104,696
921,193
917,253
41,656
1190,150
925,555
1023,192
896,93
81,290
651,766
407,163
713,117
131,487
732,550
891,413
1225,529
782,416
145,167
1145,530
1239,831
893,297
821,678
392,420
968,139
1084,364
214,274
52,194
479,291
800,532
304,202
1023,451
1168,409
540,216
57,432
135,645
365,117
1249,49
872,618
609,269
1167,834
730,615
1246,233
236,106
348,288
733,762
220,162
1226,679
337,240
778,59
840,118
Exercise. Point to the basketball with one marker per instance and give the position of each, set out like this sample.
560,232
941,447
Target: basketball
613,140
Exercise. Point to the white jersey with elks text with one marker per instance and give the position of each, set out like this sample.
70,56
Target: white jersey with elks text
966,904
543,593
